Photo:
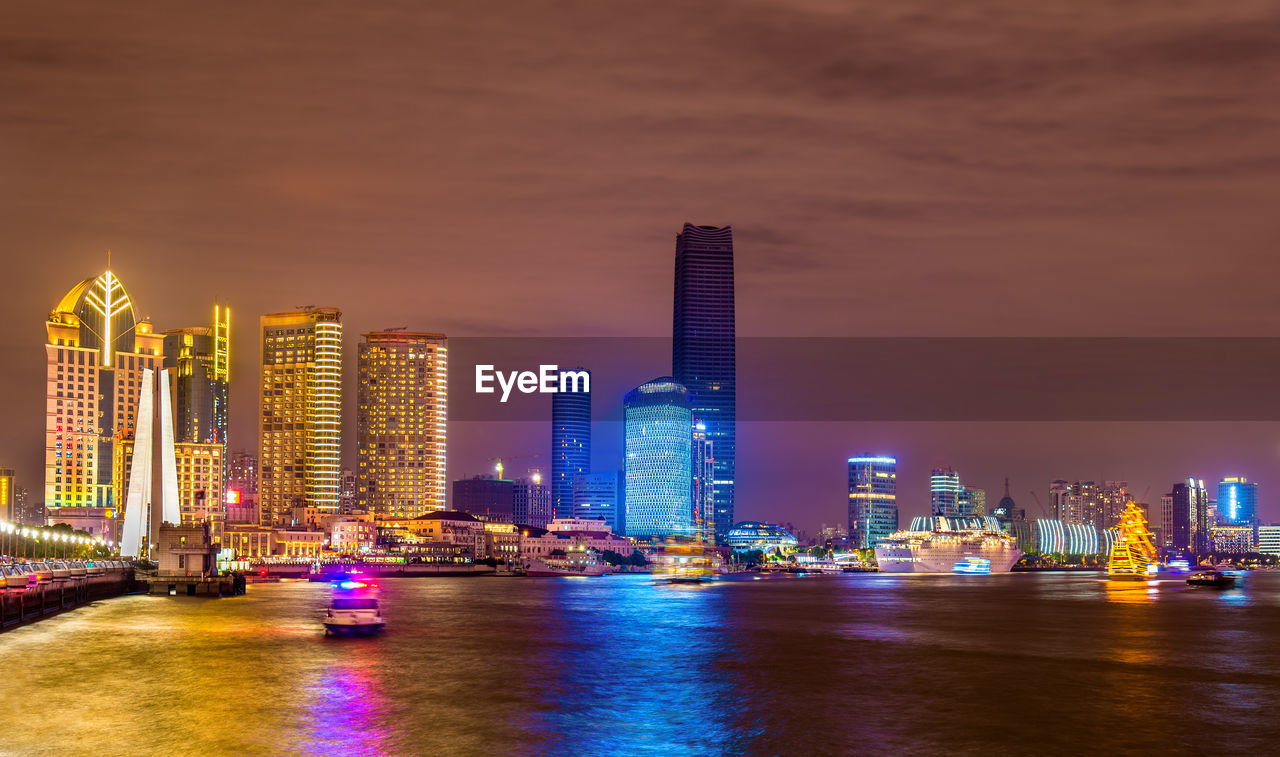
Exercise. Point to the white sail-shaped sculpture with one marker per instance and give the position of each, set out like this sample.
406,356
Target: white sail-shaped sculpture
140,516
170,512
138,502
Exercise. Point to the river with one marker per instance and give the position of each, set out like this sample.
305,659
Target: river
1048,663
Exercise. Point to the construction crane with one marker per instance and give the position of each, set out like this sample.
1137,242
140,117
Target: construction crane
498,461
1039,504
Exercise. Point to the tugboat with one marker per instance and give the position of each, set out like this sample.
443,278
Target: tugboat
353,610
1212,578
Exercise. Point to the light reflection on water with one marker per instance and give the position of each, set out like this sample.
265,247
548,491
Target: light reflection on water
823,665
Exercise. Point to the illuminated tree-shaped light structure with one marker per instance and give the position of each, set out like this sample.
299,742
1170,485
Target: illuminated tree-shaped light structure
1133,552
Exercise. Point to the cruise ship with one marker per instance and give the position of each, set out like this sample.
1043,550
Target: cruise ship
944,544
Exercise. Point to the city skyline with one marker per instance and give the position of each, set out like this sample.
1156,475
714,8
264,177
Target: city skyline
1094,181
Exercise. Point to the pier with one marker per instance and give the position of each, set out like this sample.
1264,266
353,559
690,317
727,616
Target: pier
39,600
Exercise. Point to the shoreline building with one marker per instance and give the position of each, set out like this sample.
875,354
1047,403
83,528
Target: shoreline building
944,492
531,503
602,496
199,361
703,357
570,442
300,413
1187,507
402,423
873,499
1237,501
96,354
658,423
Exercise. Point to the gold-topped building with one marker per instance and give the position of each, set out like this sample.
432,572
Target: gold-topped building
300,418
96,353
401,423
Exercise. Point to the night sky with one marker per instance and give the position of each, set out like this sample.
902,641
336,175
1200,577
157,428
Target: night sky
521,169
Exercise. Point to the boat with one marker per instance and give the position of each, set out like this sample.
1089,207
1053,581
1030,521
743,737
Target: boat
1212,578
683,561
973,566
575,563
353,611
951,542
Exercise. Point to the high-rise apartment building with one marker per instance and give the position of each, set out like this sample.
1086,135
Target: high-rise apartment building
704,357
95,356
944,492
300,418
401,423
242,473
873,499
570,443
199,360
531,503
199,472
1237,501
658,431
601,496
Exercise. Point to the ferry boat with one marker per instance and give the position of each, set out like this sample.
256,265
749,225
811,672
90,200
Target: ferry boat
1212,578
549,567
949,546
353,611
682,561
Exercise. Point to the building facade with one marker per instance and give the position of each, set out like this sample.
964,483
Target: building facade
198,359
704,356
570,443
300,414
492,498
602,496
1188,511
703,477
1269,539
1237,501
658,430
401,423
531,502
8,505
944,492
873,499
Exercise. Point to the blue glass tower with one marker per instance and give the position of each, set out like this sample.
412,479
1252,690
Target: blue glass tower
703,356
1237,501
873,499
570,444
658,425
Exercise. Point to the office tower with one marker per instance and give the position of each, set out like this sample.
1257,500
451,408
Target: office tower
873,499
944,492
703,476
658,423
703,356
1085,503
492,498
95,356
300,419
531,502
1237,501
153,470
199,472
1189,516
198,359
972,501
570,443
1269,539
242,473
602,495
401,418
8,510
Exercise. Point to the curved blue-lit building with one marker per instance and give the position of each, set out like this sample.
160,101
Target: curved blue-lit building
751,535
658,421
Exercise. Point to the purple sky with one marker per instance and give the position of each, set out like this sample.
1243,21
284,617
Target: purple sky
513,168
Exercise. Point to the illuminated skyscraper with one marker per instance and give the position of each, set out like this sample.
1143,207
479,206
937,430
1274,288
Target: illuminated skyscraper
658,424
96,354
300,419
199,473
401,423
199,359
1188,511
873,499
704,357
570,445
8,510
242,472
602,495
1237,501
703,476
944,492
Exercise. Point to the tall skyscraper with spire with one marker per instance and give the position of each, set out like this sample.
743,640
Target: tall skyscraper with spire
704,358
96,356
570,444
300,419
